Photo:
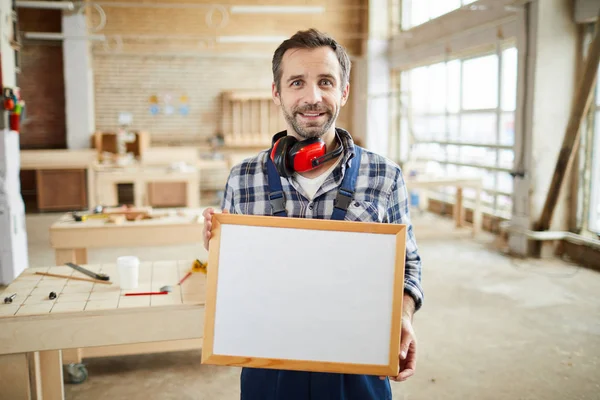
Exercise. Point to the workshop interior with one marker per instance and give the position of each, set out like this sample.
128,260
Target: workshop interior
122,122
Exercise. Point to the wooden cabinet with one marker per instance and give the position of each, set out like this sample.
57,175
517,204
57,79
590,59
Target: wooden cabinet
58,180
61,189
167,194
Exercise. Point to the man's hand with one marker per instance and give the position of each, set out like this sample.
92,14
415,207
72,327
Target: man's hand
408,352
408,344
206,230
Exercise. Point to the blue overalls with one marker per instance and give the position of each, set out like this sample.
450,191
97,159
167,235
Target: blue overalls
271,384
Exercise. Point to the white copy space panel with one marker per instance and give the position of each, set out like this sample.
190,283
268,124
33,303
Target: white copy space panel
327,298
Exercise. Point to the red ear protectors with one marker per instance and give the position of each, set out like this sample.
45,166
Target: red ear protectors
291,155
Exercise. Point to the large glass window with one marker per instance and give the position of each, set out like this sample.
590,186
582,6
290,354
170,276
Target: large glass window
594,221
417,12
460,116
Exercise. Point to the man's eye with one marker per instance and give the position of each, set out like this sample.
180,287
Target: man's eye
296,83
326,82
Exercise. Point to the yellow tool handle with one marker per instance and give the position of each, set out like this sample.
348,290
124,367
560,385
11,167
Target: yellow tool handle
198,266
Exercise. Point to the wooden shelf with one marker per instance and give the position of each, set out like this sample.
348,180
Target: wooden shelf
246,95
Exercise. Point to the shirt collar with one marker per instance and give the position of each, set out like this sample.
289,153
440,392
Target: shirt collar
348,143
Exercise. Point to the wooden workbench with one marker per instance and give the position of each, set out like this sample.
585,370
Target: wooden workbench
71,239
142,176
70,168
36,329
424,182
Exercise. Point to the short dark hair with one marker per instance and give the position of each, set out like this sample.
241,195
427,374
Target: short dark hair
310,39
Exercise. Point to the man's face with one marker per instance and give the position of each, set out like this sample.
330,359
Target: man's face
311,94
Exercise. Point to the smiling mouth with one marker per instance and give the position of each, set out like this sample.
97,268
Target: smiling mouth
311,115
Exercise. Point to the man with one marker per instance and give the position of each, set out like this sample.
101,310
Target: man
311,83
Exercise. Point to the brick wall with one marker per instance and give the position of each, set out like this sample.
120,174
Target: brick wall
42,82
125,83
169,52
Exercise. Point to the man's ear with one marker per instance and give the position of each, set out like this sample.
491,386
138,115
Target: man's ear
275,94
345,94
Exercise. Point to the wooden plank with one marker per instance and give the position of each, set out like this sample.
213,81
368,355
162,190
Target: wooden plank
582,102
302,223
477,214
458,207
21,333
35,374
14,377
235,128
142,348
72,356
168,155
92,201
51,375
240,95
264,115
77,256
57,159
126,235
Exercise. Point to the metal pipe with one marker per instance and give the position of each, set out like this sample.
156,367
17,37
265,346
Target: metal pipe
53,5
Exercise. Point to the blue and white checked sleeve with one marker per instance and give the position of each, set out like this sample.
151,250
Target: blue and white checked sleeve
398,213
227,203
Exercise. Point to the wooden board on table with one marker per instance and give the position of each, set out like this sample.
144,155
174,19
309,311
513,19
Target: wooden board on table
334,306
175,227
78,296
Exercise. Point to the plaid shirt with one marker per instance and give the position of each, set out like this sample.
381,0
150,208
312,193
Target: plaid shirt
380,196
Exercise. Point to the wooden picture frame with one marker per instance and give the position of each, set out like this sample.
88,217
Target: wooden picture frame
275,299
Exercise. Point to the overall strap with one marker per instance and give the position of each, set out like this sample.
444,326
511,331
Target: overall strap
347,188
341,202
276,197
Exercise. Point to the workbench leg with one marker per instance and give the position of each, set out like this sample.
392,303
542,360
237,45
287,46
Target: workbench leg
197,189
458,208
91,188
139,194
193,194
77,256
72,356
106,193
477,214
14,377
52,375
35,376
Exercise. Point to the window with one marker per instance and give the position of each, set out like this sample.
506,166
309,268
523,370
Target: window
417,12
587,216
594,209
460,116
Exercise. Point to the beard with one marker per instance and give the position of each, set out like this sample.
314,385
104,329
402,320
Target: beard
310,129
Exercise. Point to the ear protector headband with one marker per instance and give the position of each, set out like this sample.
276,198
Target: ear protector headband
291,155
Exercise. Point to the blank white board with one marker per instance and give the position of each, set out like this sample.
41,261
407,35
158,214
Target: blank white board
303,294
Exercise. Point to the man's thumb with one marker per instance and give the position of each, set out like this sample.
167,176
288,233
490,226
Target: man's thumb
404,347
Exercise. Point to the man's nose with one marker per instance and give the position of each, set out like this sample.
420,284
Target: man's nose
313,94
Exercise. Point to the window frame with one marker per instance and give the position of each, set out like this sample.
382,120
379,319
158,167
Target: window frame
593,216
406,11
448,194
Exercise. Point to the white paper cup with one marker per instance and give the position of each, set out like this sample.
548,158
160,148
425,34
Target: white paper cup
128,268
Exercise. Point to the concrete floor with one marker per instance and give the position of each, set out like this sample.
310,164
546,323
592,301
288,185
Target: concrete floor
491,328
